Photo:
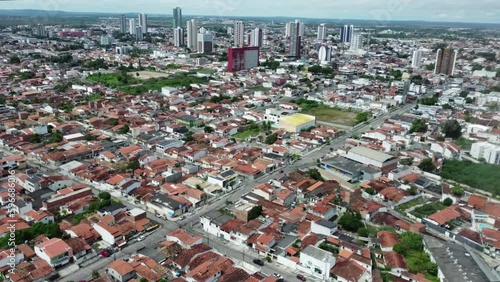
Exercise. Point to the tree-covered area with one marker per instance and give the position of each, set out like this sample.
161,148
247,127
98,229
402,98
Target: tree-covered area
411,247
51,230
362,117
452,129
315,174
427,165
428,101
418,125
477,175
351,222
95,64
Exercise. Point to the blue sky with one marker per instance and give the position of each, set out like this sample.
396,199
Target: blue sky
382,10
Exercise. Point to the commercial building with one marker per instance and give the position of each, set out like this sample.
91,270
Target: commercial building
178,36
487,151
317,262
346,33
242,58
367,156
416,60
192,33
445,61
123,24
205,42
297,122
321,32
143,22
177,18
295,40
239,34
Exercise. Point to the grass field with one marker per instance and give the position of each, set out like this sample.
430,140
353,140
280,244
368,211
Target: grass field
206,71
327,114
247,133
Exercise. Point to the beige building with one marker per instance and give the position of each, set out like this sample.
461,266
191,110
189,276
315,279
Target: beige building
297,122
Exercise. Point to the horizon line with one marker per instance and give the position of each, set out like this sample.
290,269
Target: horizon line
286,17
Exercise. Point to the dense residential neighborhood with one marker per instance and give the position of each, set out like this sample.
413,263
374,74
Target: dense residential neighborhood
256,151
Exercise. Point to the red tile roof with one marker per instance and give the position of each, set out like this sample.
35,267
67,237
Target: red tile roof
477,202
387,239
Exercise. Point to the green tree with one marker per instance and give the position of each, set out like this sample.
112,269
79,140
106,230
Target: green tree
124,130
350,222
407,161
104,196
271,138
362,117
427,165
448,202
413,190
143,280
452,129
418,125
208,129
36,138
457,191
254,212
408,242
14,59
315,174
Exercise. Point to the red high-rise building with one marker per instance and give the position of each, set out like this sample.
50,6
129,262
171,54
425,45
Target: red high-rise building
242,58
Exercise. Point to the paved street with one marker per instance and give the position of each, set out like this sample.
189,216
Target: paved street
189,223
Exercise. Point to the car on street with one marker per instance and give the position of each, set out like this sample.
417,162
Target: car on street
105,254
159,215
183,217
141,238
278,275
258,262
301,277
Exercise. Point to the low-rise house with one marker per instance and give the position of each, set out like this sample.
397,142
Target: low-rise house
387,240
183,238
350,271
120,270
54,251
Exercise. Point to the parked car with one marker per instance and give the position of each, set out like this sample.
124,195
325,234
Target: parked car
301,277
141,238
278,275
258,262
105,254
183,217
159,215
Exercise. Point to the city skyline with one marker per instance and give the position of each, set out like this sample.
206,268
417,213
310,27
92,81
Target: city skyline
481,11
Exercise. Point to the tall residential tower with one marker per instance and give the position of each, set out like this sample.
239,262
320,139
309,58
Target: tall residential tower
295,40
123,24
445,61
239,34
192,34
321,32
177,20
143,22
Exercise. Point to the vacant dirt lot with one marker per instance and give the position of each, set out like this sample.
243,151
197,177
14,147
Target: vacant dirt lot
148,74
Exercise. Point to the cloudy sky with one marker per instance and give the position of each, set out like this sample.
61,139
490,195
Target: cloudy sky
381,10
